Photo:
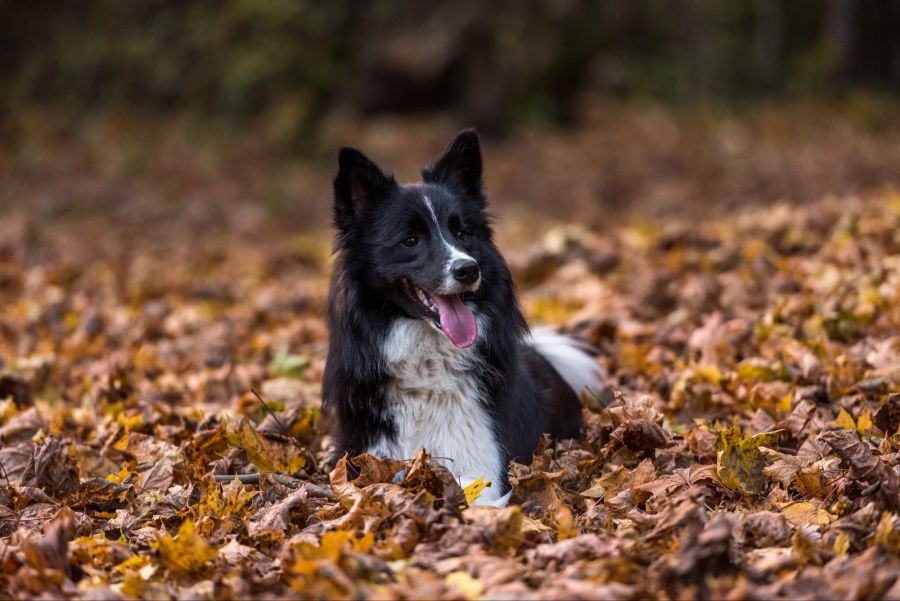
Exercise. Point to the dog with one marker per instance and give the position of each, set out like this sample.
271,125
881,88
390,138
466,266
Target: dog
428,347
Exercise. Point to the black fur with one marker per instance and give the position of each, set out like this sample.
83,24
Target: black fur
373,216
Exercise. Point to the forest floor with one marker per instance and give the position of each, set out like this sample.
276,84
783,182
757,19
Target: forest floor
740,276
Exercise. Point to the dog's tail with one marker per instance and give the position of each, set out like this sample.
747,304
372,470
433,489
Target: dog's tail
572,359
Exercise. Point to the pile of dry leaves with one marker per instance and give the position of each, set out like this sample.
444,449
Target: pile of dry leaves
747,444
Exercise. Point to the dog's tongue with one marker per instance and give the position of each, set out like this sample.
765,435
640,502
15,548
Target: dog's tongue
457,320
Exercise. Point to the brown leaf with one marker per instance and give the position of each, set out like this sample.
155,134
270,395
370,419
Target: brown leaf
22,427
555,555
52,468
888,415
641,435
269,453
865,465
16,387
763,529
371,469
14,458
51,550
273,522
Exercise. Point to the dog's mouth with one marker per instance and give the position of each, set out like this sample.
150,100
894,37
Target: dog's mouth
449,311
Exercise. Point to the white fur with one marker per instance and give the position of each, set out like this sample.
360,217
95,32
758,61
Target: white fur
570,359
436,404
450,284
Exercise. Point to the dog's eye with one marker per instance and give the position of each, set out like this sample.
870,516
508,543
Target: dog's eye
461,234
410,241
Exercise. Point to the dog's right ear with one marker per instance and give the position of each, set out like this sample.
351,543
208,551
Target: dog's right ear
359,184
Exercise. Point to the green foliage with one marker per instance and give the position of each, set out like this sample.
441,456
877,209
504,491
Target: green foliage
288,366
507,60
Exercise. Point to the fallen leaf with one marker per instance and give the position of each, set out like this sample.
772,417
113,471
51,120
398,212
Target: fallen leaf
267,455
807,514
187,551
470,587
473,490
740,461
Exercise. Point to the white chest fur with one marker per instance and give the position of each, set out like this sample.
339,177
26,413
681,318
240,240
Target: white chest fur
435,403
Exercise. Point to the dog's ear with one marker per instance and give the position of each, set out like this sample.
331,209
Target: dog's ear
359,184
459,165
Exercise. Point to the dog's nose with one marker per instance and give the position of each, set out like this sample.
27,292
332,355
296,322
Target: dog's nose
466,271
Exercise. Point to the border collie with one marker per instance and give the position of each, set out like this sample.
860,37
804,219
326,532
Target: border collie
428,346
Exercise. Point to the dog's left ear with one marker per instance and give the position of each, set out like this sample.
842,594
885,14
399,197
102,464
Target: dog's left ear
359,185
459,165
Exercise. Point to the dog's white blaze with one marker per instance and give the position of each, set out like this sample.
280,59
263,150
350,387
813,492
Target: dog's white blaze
436,404
453,254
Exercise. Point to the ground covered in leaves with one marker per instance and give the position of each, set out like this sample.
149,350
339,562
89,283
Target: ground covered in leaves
746,445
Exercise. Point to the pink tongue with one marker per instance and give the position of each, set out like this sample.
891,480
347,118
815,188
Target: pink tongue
457,320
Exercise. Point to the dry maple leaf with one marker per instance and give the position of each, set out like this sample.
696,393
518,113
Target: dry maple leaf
888,415
741,462
865,465
187,551
268,455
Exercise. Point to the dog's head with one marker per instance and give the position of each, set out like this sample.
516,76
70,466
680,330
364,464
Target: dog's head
425,247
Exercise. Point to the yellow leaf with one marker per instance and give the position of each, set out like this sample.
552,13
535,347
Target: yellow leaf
805,514
8,409
845,420
565,523
331,545
473,490
135,562
754,249
187,552
131,422
134,571
232,500
755,369
122,443
265,454
864,423
707,373
363,543
887,533
861,425
841,544
784,406
329,548
120,477
471,588
551,310
740,463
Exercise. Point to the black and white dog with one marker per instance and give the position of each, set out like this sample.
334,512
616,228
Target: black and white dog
428,346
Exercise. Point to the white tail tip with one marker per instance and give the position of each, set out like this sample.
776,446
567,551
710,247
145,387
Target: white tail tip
570,358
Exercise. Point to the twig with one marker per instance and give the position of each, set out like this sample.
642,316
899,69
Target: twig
9,541
5,475
272,413
313,489
255,478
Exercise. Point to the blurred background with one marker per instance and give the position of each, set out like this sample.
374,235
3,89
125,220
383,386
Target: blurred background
154,111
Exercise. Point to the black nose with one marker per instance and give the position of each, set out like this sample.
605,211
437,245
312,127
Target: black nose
466,271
